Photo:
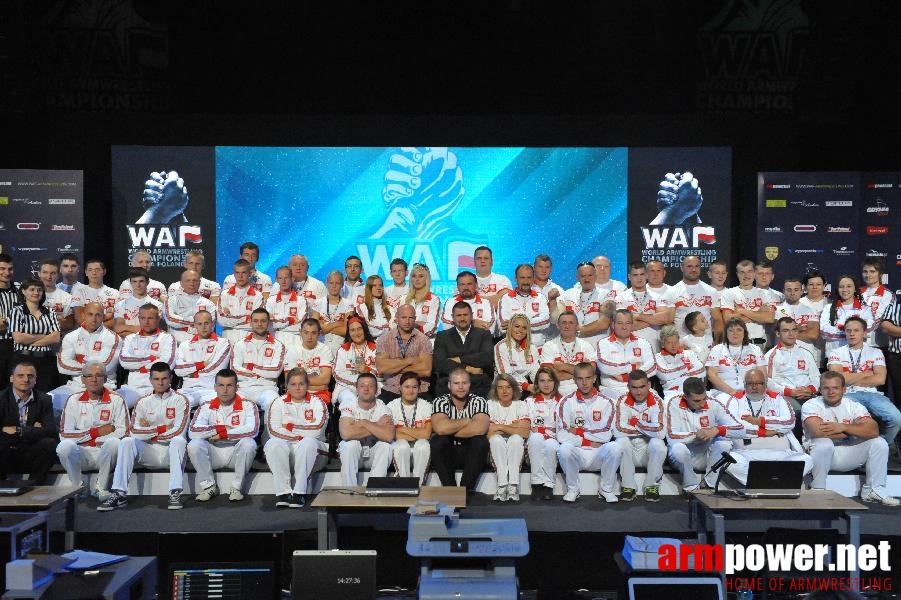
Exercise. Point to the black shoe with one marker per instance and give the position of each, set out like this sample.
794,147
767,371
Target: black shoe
283,501
547,493
296,501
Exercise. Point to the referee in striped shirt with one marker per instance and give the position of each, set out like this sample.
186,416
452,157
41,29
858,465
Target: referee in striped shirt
7,302
35,332
891,324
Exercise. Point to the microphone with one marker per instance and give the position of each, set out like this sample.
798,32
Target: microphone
725,459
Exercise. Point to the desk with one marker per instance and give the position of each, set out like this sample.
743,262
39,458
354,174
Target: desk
49,498
332,501
824,506
133,579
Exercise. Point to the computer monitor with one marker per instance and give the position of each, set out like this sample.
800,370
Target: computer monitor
676,588
222,580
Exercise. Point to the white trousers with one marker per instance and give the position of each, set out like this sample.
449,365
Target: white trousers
739,470
506,453
605,459
640,451
197,396
261,393
700,455
153,455
376,457
206,457
872,454
406,452
542,459
131,395
234,335
308,456
74,458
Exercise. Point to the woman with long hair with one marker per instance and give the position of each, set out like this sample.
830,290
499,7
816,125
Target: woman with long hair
847,301
356,355
35,332
516,355
507,432
728,362
375,309
412,428
542,443
427,304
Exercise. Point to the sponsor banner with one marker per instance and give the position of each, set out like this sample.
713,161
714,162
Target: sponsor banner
680,204
41,216
167,200
851,215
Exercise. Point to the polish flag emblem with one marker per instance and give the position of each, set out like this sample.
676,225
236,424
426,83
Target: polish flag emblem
190,233
706,235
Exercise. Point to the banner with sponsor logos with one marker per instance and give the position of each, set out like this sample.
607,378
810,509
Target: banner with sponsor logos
164,201
680,203
829,222
41,216
432,205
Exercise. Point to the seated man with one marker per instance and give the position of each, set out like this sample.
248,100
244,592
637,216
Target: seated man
584,428
296,423
791,366
464,347
238,300
459,425
563,353
182,306
143,260
315,358
622,353
140,350
863,367
222,435
840,435
28,435
93,422
403,349
126,309
367,430
697,426
194,261
639,430
157,439
258,359
769,420
89,343
199,358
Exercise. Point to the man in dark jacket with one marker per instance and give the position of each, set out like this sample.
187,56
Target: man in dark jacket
467,347
28,431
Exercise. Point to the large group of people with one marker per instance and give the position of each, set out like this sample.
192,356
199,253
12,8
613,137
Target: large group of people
597,376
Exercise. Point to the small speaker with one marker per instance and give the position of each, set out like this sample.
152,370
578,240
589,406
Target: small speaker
333,575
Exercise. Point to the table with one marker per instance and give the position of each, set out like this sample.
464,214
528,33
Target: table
824,506
332,501
49,498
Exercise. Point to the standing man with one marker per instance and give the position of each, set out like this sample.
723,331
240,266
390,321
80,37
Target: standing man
315,358
692,294
308,286
525,301
155,289
399,288
92,424
650,312
840,435
261,282
140,350
543,284
589,304
657,278
806,318
491,285
57,300
199,358
790,367
602,270
95,291
878,296
126,310
183,305
8,299
464,347
157,439
222,435
483,315
68,271
209,289
367,430
717,274
259,359
29,435
565,352
237,301
622,353
354,288
459,432
585,431
404,348
287,308
750,304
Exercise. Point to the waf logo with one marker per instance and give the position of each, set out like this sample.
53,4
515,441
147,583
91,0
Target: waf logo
678,237
170,412
157,236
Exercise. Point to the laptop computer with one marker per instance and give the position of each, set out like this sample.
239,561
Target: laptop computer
333,575
774,479
14,487
676,588
392,486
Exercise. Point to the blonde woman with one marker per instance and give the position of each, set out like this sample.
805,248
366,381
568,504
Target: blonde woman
516,355
508,429
375,309
427,304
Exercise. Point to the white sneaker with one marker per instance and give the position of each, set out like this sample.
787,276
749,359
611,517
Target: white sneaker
207,494
501,494
609,497
513,493
235,495
874,497
571,496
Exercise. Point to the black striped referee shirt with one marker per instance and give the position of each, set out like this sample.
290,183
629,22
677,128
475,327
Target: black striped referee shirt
22,321
7,302
893,314
474,405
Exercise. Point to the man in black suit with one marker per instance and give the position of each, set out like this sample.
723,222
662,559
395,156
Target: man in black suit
464,346
28,431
